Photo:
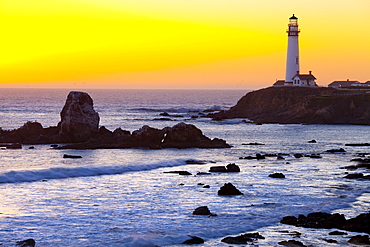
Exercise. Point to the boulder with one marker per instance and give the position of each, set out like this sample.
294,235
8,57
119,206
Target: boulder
217,169
68,156
203,210
292,243
79,121
354,175
360,240
277,175
26,243
187,135
229,189
193,240
232,168
243,238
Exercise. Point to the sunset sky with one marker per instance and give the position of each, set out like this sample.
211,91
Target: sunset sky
185,44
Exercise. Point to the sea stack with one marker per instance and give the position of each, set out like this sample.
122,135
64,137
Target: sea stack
79,120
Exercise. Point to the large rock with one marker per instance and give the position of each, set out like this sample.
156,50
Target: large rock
79,121
188,136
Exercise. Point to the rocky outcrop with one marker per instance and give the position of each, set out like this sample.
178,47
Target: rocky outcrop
294,105
79,126
361,223
79,120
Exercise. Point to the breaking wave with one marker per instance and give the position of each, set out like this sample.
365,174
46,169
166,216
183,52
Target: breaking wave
73,172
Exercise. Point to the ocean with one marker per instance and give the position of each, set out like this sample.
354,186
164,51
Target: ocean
124,197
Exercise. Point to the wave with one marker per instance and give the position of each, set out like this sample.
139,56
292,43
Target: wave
182,109
74,172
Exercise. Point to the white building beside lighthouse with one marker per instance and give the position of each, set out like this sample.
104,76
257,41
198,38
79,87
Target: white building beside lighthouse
292,73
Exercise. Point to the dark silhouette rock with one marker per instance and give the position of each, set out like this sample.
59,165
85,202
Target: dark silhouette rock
337,233
358,144
67,156
330,240
229,168
187,135
186,173
79,126
79,121
203,210
243,238
354,175
297,156
217,169
232,168
193,240
277,175
11,146
361,223
26,243
312,141
360,240
292,243
296,105
339,150
253,143
229,189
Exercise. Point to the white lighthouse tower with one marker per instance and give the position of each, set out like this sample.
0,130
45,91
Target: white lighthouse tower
292,60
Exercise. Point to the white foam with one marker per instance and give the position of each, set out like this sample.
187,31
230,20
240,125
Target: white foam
85,171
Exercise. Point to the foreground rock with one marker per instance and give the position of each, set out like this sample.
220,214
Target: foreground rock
361,223
294,105
243,239
228,189
79,125
232,167
203,210
194,240
26,243
292,243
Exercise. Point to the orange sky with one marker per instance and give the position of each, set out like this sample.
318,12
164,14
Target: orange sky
218,44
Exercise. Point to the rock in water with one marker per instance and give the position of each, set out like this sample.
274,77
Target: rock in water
26,243
79,121
203,210
229,189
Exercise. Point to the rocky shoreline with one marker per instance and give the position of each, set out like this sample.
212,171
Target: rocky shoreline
79,129
352,230
301,105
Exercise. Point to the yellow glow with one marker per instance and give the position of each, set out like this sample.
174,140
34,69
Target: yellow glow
178,44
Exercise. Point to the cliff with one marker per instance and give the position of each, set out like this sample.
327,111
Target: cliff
294,105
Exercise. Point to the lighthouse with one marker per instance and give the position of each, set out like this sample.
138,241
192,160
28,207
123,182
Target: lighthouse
292,59
292,75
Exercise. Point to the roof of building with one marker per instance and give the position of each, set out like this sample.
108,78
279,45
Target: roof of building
293,17
346,83
305,76
279,83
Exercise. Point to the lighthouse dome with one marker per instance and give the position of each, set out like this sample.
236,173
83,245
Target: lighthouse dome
293,17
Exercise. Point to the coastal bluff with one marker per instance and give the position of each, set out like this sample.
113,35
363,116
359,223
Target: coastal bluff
79,129
301,105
